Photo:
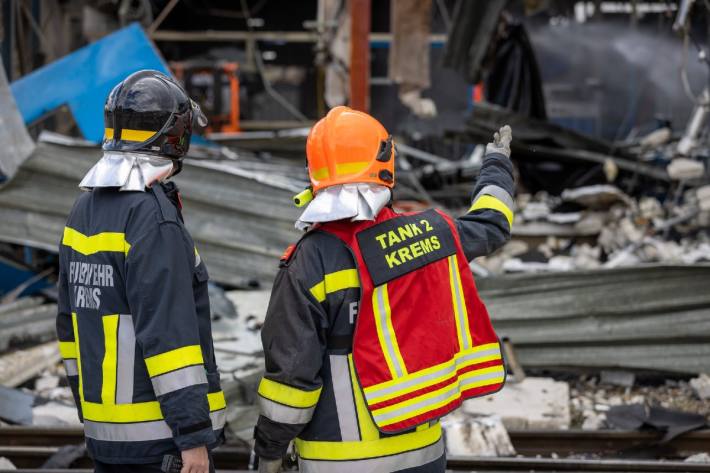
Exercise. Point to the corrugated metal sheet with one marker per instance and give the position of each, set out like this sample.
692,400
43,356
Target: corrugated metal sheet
650,317
14,139
241,220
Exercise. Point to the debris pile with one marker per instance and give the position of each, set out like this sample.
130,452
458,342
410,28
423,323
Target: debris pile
594,398
601,227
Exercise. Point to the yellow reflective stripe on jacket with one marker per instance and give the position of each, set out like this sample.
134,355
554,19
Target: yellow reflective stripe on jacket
386,333
334,282
357,450
288,395
368,430
432,375
174,359
78,358
216,401
67,350
109,365
139,411
457,298
88,245
493,203
439,398
130,135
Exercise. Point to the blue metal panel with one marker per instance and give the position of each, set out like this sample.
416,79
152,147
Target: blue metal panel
84,78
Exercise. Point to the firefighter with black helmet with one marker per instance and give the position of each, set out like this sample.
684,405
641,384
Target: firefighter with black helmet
375,329
134,317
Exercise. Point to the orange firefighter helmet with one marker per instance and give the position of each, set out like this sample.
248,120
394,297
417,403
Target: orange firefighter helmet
348,146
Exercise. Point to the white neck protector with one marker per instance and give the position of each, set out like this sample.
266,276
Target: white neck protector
128,171
346,201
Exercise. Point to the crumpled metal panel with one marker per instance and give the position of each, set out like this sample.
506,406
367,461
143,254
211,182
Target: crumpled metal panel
15,143
646,317
241,220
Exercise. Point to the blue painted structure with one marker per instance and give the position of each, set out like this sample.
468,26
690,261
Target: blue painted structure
83,79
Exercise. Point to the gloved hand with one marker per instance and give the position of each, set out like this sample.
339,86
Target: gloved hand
501,141
269,466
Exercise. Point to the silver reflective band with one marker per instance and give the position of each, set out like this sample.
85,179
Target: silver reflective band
388,464
285,414
130,171
218,418
131,432
431,376
71,367
344,401
460,306
460,386
386,335
178,379
497,192
125,359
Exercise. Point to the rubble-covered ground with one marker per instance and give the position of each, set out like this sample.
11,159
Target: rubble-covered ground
601,227
590,399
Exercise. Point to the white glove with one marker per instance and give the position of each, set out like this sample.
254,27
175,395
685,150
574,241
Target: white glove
269,466
501,141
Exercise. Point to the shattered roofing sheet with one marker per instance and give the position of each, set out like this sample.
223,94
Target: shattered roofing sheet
241,220
16,142
648,317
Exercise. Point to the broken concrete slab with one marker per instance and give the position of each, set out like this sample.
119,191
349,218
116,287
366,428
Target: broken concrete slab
701,386
23,365
55,413
534,403
683,169
475,435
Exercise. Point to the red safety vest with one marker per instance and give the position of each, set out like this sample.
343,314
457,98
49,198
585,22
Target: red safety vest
423,341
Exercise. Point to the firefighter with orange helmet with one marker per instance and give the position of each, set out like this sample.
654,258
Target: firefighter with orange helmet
375,329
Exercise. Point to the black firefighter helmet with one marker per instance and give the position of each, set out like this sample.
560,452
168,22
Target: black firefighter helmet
150,112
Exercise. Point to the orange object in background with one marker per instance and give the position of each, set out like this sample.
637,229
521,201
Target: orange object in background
348,146
216,88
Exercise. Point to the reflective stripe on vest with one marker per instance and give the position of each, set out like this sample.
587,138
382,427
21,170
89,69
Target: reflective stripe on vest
436,346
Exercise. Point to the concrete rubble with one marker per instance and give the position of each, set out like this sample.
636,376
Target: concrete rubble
482,436
601,227
701,386
534,403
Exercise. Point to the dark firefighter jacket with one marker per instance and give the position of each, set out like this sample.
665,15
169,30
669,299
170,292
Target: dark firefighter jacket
307,392
134,327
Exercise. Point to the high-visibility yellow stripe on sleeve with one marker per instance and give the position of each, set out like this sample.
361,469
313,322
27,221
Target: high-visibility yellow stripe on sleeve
334,282
130,135
288,395
493,203
216,401
110,362
88,245
75,326
67,350
174,359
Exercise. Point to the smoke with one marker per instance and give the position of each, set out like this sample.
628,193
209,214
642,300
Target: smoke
621,77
